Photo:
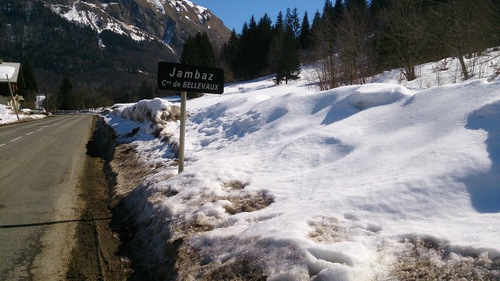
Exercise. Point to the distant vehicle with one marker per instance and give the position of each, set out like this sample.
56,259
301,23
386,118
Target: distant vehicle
38,111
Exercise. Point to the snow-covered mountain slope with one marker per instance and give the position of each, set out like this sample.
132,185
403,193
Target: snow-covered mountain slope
102,44
168,21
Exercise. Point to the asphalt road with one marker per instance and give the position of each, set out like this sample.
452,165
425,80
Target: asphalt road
41,163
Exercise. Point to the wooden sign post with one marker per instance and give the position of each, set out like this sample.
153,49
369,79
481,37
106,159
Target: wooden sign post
188,78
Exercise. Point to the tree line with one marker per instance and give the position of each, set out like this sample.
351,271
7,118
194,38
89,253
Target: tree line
263,48
69,97
354,39
348,40
103,69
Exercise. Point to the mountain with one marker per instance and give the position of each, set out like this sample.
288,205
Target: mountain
101,44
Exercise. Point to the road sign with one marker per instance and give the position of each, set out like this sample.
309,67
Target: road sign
190,78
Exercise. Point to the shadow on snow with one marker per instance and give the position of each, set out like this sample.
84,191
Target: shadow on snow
484,188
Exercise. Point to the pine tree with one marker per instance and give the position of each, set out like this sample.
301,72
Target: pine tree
145,91
338,11
355,5
29,84
292,21
263,42
328,11
305,33
190,52
284,54
291,57
280,22
228,56
198,50
206,50
65,94
316,22
377,6
253,47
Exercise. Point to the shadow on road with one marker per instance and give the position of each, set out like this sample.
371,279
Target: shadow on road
51,223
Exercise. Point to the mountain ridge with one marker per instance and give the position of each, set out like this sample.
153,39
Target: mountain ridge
101,45
145,19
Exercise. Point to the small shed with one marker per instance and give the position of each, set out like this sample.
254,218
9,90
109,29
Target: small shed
9,72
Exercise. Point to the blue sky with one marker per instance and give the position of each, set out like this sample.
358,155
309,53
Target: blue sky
236,12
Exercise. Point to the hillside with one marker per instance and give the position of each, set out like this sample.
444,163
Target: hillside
106,46
389,180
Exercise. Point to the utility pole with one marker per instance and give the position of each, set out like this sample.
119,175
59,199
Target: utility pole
12,96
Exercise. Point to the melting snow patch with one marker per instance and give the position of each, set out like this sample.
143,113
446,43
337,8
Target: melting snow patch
365,182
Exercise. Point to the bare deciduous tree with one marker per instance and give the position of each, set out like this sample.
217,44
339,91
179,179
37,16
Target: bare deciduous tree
463,26
324,48
352,50
402,35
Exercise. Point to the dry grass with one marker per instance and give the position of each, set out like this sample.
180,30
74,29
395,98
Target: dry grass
193,263
428,259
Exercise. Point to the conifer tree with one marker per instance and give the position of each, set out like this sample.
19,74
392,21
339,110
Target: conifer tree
284,54
253,47
228,56
328,11
198,50
29,84
145,91
338,11
206,49
263,42
292,21
377,6
280,22
316,23
190,52
305,33
65,94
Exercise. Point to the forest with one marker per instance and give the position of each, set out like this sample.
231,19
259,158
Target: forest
347,40
354,39
64,60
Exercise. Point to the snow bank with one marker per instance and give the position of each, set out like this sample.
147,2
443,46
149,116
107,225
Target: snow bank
144,119
293,184
7,115
4,110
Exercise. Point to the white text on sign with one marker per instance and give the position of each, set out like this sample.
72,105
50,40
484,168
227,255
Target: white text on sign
190,75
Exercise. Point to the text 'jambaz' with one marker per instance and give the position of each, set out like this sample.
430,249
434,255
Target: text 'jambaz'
190,78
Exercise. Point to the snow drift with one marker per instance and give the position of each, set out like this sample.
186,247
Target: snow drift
354,183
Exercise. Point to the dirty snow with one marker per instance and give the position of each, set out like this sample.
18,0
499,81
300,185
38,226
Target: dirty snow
321,185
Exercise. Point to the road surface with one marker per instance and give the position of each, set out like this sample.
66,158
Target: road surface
40,166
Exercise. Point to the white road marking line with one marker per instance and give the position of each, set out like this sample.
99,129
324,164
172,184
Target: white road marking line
2,144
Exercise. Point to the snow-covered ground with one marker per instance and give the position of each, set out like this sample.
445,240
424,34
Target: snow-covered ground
332,185
7,115
297,184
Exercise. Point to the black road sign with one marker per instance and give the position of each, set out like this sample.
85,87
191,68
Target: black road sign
190,78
